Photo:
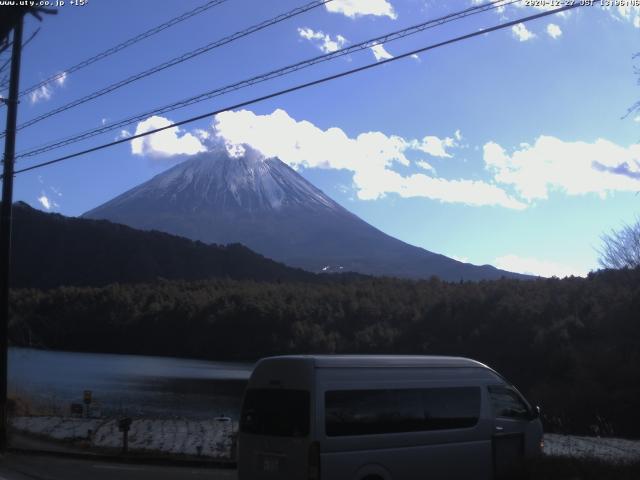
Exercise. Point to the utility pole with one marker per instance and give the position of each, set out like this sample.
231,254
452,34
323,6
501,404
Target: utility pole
5,223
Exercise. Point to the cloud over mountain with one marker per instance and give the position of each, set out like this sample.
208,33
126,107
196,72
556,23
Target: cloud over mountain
169,142
372,157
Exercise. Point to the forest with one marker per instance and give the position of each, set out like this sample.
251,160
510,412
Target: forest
570,345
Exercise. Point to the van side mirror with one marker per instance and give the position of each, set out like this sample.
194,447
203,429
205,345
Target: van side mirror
535,412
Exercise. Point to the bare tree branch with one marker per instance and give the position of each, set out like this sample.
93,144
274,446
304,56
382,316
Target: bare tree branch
621,248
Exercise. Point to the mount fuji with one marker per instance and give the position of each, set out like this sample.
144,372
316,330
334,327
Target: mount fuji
267,206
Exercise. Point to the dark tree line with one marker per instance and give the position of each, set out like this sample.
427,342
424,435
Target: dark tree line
51,250
571,345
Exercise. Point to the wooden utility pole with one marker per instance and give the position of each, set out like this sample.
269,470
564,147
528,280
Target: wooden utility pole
12,19
5,222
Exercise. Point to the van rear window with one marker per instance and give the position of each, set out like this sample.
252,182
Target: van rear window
366,412
276,412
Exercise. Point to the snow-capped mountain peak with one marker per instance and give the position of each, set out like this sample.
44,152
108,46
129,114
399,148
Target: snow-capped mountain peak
219,197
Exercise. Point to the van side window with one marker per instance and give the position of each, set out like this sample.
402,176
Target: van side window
507,403
367,412
276,412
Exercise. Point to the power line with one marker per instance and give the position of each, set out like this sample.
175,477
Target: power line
5,82
24,44
306,85
5,46
271,75
175,61
121,46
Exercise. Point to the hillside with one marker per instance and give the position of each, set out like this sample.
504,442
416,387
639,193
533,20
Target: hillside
50,250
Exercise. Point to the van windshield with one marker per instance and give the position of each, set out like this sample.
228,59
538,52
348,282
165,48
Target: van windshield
276,412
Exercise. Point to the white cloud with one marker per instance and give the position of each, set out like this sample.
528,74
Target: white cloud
61,79
460,259
521,33
323,41
380,52
165,143
305,145
637,119
123,134
46,91
103,121
574,168
434,146
202,134
534,266
371,157
359,8
626,11
46,202
42,93
469,192
554,30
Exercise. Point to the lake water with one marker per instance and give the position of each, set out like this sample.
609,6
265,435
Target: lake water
140,386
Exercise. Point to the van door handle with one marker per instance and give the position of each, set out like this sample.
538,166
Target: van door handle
499,429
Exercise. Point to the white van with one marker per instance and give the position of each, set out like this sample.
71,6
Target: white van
378,417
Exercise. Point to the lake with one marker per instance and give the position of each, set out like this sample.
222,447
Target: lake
133,385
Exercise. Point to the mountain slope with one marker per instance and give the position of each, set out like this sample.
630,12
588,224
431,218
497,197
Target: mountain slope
50,250
267,206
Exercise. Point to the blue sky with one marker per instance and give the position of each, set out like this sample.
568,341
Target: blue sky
507,149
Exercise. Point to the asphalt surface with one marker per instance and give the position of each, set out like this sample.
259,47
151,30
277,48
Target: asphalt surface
16,466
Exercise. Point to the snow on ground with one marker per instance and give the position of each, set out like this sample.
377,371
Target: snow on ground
615,450
57,427
207,438
214,438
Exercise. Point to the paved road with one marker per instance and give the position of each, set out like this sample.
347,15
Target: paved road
15,466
